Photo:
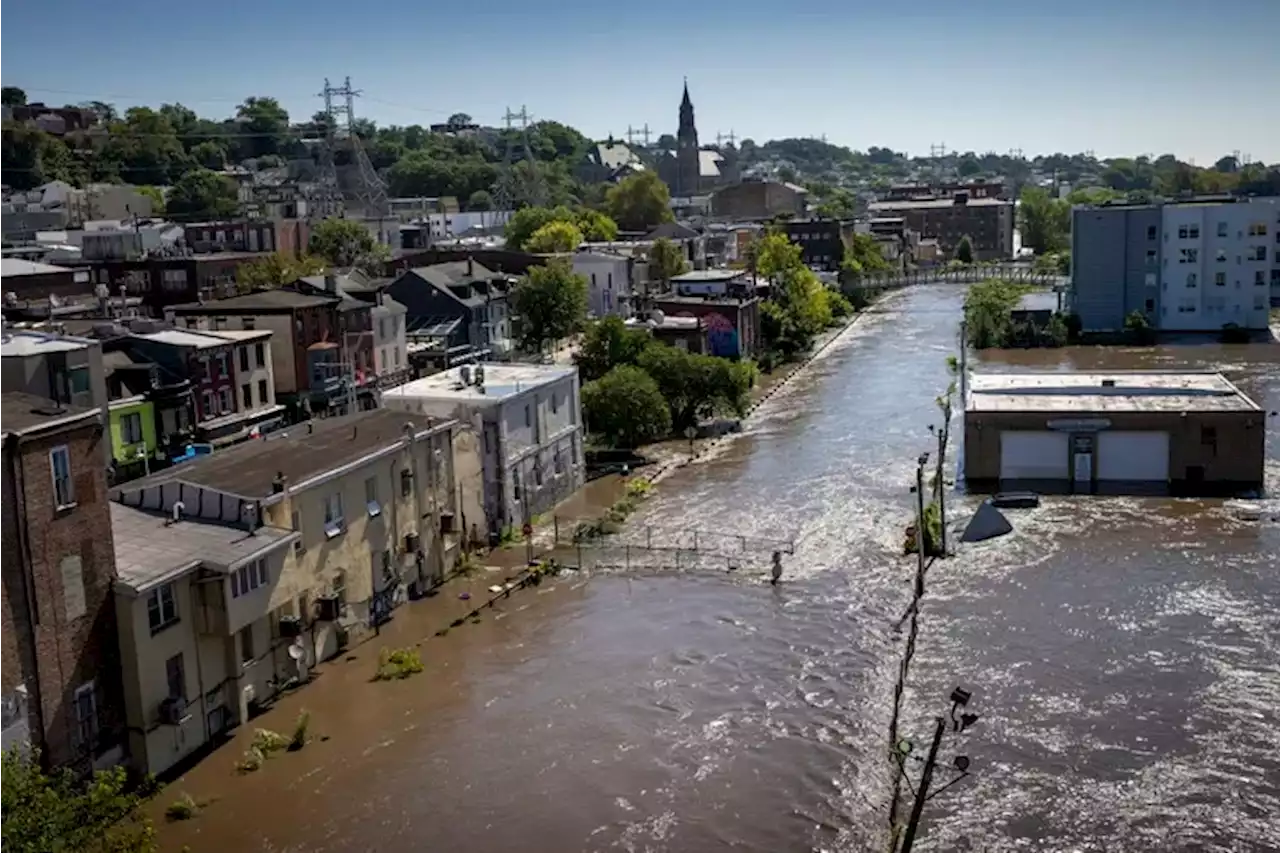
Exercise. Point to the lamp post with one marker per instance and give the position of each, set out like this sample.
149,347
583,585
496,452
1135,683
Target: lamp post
959,699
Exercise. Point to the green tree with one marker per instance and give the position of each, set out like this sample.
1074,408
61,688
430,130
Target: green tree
698,386
987,307
595,226
1044,220
607,344
639,202
480,200
347,244
265,125
558,236
276,270
210,155
525,221
550,303
143,149
666,261
12,96
157,198
203,194
775,254
964,250
625,407
458,121
862,255
44,813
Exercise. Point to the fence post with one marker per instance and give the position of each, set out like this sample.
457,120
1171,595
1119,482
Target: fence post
648,533
695,540
555,521
628,558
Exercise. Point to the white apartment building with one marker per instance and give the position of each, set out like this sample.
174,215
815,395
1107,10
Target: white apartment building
610,282
390,355
530,421
1219,264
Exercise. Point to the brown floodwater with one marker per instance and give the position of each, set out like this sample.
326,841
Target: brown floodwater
1124,655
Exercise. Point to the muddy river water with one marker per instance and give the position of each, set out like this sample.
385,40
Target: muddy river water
1124,655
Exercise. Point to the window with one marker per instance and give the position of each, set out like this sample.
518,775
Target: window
260,355
1188,256
224,400
1150,279
333,518
64,491
382,327
515,485
555,403
246,645
247,323
206,374
263,397
295,522
1257,229
246,393
537,473
1188,232
1151,257
224,369
395,354
208,409
528,415
244,359
1259,278
86,705
1150,306
162,608
249,577
1220,279
1257,253
1259,303
1221,256
371,497
175,676
1222,229
131,428
1151,232
1192,279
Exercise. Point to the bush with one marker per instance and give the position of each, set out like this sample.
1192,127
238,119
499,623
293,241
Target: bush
626,408
1138,328
987,308
840,307
252,761
267,742
300,737
398,664
183,808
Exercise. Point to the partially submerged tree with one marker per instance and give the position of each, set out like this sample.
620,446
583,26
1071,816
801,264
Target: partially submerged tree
625,407
550,303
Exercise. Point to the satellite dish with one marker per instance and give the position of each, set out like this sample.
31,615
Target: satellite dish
297,652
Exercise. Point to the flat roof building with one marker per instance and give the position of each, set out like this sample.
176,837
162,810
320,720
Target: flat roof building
1112,433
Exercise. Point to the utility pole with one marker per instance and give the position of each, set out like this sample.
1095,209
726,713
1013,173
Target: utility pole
920,564
959,699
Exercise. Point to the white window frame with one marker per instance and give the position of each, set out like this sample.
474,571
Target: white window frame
371,504
226,400
249,577
64,487
335,521
158,595
127,435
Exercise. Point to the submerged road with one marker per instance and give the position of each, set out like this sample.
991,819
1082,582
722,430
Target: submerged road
1123,653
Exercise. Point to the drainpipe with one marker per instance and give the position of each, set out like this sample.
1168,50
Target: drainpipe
28,578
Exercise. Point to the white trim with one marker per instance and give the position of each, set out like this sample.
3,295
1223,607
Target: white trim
53,476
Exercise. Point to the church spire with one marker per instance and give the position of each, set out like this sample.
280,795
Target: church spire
685,102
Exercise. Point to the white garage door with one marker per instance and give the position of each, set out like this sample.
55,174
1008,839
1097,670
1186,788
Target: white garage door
1136,457
1026,455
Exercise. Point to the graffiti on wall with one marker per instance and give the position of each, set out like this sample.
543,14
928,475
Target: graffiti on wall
722,336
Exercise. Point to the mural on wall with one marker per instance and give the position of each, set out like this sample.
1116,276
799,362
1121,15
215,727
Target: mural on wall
722,336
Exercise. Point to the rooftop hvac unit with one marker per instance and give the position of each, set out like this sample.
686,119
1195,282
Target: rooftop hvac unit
465,373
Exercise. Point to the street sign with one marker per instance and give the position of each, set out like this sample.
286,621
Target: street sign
527,530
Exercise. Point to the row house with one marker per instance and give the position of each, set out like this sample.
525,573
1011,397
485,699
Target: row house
322,344
286,236
239,572
465,294
61,686
160,282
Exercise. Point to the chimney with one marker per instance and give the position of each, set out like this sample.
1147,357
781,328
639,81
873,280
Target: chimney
277,485
470,267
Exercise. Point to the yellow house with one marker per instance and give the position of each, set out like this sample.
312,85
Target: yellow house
349,517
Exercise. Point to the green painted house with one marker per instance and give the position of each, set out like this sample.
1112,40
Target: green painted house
133,434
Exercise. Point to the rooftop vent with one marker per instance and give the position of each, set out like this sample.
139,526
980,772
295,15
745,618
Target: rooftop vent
1108,383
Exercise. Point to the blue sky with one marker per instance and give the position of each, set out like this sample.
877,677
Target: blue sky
1120,77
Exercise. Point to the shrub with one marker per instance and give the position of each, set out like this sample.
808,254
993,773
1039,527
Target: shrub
267,742
300,736
398,664
183,808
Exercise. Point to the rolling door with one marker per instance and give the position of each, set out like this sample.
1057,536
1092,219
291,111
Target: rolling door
1028,455
1133,457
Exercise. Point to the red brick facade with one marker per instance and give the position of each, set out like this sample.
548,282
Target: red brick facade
57,638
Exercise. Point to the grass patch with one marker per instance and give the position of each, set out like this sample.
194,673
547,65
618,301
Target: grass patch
398,664
183,808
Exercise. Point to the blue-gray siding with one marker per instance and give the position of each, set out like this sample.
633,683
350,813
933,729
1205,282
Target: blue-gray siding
1109,265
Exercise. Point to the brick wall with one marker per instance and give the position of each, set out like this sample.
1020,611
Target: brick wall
73,640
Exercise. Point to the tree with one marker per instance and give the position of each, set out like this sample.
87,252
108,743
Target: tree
625,407
862,255
480,200
143,149
595,226
458,121
276,270
157,198
558,236
775,254
347,243
268,124
550,303
639,202
1044,220
525,221
964,250
607,344
698,386
666,261
57,812
210,155
202,194
12,96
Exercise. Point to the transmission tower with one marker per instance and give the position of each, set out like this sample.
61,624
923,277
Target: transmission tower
518,185
326,199
369,192
731,138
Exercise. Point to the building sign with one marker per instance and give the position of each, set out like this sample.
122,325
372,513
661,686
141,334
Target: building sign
1079,424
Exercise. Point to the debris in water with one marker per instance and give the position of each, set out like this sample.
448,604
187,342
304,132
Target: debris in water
987,523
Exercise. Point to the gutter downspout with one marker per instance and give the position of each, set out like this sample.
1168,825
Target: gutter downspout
28,578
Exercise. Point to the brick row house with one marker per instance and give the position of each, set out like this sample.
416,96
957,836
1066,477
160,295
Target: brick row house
61,670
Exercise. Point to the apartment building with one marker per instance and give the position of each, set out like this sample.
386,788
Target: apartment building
61,667
63,368
986,220
530,421
1186,266
240,571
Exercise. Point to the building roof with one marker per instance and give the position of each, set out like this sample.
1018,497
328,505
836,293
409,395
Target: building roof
185,338
709,163
150,548
24,342
300,452
261,300
708,275
1123,391
671,231
677,300
500,381
612,157
936,204
18,267
239,334
27,413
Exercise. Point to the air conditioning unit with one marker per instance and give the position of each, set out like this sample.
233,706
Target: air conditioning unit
173,710
290,626
412,543
327,608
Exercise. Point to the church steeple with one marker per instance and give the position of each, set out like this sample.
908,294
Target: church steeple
686,115
688,169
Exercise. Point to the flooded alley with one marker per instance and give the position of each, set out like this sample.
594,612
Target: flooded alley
1122,653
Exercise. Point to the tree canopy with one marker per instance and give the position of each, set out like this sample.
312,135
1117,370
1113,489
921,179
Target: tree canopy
277,270
639,202
550,303
607,344
348,244
625,407
557,236
203,194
